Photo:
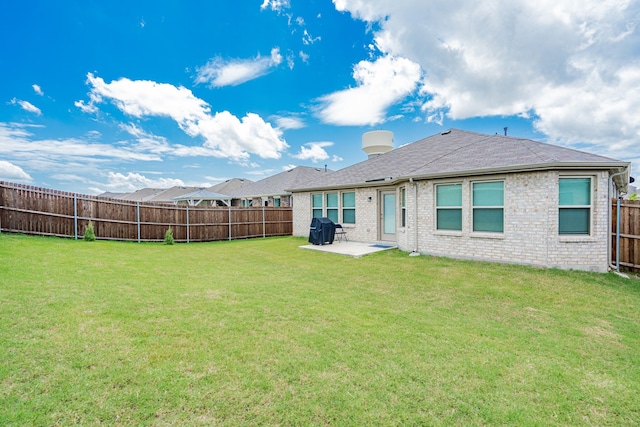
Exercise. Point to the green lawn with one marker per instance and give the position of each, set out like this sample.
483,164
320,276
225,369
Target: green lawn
260,332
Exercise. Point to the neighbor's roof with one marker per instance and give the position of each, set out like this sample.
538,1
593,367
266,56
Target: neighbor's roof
142,195
230,185
169,194
111,195
277,185
457,153
202,195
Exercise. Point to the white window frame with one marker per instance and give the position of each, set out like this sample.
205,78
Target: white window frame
438,208
474,207
340,208
592,192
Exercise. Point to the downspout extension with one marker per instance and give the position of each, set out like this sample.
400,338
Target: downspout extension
415,218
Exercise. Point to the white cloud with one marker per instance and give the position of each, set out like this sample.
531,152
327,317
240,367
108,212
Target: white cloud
224,134
219,72
275,5
574,66
89,108
216,179
307,39
147,142
11,172
264,172
381,84
118,182
37,89
288,167
69,177
289,122
336,158
17,141
26,106
313,151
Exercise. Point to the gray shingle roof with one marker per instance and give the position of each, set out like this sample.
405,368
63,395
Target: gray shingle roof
456,153
230,185
169,194
202,195
143,195
277,185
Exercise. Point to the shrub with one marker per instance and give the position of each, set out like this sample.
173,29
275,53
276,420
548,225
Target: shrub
89,234
168,237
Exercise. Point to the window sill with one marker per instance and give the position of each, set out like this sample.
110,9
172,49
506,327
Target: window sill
452,233
482,235
576,239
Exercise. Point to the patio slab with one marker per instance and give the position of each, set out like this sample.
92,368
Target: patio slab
354,249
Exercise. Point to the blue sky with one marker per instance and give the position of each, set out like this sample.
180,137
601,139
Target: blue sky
117,96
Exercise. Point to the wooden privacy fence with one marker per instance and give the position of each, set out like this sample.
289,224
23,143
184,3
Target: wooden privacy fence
629,234
33,210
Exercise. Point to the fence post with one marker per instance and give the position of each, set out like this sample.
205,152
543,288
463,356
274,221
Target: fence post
229,221
138,219
187,223
75,216
264,226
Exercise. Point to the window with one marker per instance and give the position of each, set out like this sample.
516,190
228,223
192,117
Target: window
574,213
488,206
337,206
332,206
349,208
403,207
276,202
449,207
316,205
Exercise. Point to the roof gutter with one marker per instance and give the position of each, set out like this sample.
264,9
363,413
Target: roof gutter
366,184
613,166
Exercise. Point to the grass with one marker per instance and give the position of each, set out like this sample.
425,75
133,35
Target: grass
260,332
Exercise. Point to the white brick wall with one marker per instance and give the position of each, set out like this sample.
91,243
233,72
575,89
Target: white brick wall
530,223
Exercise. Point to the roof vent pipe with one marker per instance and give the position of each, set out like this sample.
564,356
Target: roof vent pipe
377,142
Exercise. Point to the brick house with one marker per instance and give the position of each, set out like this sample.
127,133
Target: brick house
272,191
472,196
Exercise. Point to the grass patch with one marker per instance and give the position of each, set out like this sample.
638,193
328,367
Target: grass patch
260,332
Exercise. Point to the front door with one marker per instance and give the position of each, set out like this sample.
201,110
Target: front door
387,222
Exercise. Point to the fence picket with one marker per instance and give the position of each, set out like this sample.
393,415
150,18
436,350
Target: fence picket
33,210
629,234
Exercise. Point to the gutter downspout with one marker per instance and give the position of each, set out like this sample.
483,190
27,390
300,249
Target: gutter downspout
618,197
415,218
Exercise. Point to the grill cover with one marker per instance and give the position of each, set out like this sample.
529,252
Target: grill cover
321,231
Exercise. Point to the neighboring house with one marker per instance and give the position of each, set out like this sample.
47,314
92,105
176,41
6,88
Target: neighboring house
142,195
230,185
111,195
202,198
154,195
472,196
167,196
272,191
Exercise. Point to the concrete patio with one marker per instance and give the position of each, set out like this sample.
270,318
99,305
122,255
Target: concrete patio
354,249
